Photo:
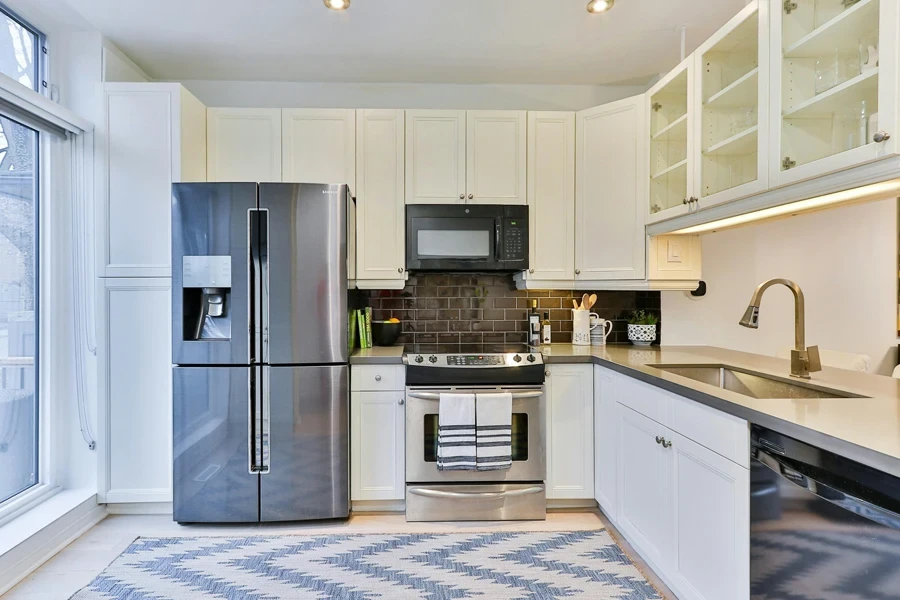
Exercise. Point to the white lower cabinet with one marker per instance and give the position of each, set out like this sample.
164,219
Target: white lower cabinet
570,432
644,487
711,516
135,386
605,451
377,433
684,507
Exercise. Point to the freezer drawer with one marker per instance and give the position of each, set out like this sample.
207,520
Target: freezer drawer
211,433
308,442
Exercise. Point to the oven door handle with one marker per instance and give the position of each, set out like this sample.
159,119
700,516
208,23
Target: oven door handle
429,493
437,396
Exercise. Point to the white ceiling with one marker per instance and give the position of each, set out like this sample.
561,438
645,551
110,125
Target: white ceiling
416,41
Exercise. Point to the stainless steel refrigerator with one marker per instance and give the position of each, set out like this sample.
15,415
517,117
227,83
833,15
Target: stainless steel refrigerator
261,379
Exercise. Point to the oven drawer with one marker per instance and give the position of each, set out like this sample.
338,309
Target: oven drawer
503,502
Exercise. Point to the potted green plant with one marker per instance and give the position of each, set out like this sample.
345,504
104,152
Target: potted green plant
642,328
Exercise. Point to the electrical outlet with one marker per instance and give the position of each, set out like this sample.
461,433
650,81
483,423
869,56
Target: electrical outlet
673,251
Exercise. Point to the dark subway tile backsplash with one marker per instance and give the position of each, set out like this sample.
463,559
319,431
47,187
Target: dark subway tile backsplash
474,313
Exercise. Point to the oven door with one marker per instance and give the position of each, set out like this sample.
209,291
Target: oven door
528,435
453,238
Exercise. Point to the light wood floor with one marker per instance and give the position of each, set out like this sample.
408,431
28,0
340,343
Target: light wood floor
86,557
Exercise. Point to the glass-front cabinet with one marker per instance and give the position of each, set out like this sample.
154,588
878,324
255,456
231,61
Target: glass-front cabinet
671,144
732,80
835,83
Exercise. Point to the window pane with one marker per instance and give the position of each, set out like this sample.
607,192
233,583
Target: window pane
18,308
18,51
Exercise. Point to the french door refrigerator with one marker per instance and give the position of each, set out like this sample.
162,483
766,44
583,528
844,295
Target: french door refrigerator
261,379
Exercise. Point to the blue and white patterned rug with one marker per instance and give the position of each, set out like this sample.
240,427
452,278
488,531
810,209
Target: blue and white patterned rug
508,566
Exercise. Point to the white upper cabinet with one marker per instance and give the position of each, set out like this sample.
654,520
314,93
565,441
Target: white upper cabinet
495,157
318,146
834,86
155,135
671,142
244,144
611,191
380,207
732,94
570,445
435,156
551,195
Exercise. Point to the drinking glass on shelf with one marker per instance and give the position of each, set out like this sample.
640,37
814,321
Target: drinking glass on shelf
743,119
835,69
849,128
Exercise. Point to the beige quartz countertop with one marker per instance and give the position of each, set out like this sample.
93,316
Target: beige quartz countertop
863,429
379,355
866,430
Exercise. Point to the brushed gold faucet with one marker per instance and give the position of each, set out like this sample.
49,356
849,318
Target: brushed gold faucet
803,360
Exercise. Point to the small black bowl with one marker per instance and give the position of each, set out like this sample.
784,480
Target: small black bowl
386,334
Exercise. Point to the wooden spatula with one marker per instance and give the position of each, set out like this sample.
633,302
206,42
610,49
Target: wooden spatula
584,302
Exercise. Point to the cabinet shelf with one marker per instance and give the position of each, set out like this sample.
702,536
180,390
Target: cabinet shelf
741,93
862,87
740,144
674,131
841,32
671,170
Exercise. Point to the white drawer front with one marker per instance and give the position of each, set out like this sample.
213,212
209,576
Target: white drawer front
645,399
722,433
374,378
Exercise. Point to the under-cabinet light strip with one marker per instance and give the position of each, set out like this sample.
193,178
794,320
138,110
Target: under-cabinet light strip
877,191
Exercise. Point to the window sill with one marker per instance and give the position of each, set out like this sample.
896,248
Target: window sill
32,537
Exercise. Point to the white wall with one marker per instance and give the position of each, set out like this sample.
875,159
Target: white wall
279,94
844,259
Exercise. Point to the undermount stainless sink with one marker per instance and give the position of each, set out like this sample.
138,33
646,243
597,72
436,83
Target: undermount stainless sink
751,383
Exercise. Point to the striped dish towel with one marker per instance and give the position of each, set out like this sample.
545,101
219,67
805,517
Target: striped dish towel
456,433
494,432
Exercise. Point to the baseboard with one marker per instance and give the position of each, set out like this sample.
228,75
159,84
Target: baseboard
139,508
565,504
26,557
378,506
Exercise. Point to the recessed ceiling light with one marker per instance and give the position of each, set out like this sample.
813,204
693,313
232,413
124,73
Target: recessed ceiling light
337,4
599,6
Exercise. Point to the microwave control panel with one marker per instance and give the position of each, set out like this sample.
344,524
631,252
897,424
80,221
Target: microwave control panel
515,239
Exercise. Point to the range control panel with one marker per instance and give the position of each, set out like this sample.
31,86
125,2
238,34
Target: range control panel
475,360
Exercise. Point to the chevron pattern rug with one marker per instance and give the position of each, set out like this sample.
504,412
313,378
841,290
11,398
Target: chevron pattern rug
489,566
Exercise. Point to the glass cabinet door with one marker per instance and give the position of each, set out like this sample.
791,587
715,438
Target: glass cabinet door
838,84
733,95
670,143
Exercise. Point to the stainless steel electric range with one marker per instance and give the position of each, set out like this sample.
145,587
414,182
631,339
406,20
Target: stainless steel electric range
515,494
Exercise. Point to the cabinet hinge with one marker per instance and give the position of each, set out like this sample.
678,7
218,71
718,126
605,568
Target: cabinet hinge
656,106
788,164
789,6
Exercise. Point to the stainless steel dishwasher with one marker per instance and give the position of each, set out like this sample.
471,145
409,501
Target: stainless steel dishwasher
822,527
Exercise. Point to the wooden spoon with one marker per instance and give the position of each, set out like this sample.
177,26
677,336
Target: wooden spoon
592,301
575,303
584,302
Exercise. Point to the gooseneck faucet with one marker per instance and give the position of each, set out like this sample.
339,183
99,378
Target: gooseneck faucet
803,360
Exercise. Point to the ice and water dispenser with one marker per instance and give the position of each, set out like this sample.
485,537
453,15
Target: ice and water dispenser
206,297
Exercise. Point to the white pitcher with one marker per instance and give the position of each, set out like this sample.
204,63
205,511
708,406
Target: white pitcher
581,327
598,338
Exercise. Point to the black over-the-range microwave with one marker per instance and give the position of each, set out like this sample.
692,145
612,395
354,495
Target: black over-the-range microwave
466,237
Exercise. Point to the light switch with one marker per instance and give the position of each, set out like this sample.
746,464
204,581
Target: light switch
674,251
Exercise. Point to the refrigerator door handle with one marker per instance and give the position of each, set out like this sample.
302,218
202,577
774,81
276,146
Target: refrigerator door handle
264,282
254,427
266,429
254,275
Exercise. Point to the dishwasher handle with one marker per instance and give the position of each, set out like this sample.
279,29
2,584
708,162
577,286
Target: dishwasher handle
817,482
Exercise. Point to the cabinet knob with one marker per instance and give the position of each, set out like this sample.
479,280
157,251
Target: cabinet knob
462,196
547,373
378,378
685,201
659,440
400,270
578,271
881,136
471,196
531,271
666,443
401,402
